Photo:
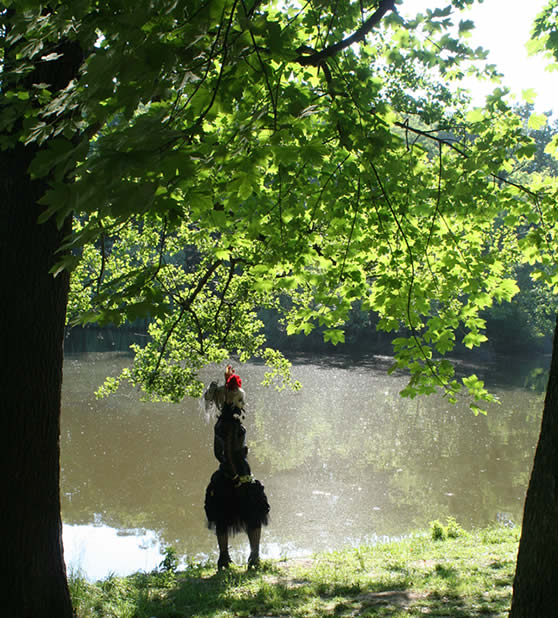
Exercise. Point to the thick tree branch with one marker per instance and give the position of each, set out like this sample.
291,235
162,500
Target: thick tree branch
317,58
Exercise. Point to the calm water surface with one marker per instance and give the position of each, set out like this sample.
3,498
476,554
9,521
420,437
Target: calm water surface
344,461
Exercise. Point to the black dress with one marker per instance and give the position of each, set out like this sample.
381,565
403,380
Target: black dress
234,500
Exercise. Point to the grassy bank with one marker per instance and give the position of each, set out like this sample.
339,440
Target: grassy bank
463,574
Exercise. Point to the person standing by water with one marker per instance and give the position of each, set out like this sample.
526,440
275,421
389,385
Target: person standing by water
234,499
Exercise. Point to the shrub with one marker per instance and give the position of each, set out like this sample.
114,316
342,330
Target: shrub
451,530
437,531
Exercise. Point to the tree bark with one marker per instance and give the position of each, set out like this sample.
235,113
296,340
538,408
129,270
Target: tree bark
535,587
32,317
32,333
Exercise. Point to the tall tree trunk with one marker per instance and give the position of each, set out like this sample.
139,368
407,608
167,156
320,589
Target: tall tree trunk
535,588
32,316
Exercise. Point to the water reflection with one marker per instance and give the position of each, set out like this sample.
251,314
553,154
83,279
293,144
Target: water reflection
345,460
97,551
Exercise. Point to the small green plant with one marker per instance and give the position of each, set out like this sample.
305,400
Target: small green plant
451,530
437,531
169,564
84,594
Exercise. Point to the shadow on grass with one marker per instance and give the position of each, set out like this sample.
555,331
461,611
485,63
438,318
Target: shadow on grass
274,591
233,592
461,578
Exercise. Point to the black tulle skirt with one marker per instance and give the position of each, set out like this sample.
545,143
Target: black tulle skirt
234,509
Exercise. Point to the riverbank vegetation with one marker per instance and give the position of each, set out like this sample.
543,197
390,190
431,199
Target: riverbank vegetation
446,571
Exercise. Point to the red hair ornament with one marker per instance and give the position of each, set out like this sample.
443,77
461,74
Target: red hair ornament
233,382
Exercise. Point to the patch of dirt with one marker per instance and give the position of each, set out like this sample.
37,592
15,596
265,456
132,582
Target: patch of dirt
400,599
390,599
285,576
292,563
395,598
424,564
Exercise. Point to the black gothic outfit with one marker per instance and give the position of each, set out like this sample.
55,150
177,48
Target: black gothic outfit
234,500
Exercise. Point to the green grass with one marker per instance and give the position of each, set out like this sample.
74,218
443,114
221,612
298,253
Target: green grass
466,574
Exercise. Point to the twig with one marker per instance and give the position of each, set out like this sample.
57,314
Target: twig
414,333
351,232
329,178
428,134
185,307
264,71
225,289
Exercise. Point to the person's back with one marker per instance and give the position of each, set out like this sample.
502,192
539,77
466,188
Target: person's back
236,397
230,443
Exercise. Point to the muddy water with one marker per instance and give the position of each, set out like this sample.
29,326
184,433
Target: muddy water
344,461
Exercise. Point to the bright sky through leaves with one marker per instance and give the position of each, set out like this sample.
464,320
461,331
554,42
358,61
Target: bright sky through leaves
503,27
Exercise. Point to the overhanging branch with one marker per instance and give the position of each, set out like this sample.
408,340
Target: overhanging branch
318,57
186,306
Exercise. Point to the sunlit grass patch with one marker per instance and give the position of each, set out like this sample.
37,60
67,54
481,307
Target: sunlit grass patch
463,576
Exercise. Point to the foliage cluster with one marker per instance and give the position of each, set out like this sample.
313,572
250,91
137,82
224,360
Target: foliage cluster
220,158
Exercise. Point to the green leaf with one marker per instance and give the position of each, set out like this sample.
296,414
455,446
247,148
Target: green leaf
474,386
68,262
474,339
537,121
477,409
529,95
526,152
334,335
245,189
262,285
475,115
222,254
466,25
552,147
506,290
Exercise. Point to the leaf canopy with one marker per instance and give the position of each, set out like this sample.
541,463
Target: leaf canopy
224,156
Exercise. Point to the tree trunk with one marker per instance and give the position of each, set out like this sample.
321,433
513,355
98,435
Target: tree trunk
32,316
32,334
535,588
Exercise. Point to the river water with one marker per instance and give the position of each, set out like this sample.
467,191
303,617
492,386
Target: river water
344,461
